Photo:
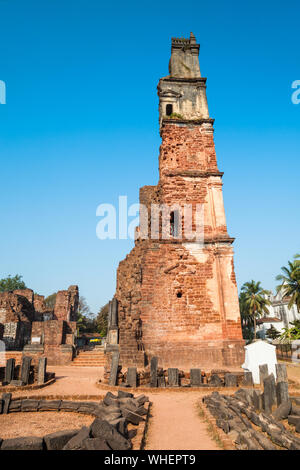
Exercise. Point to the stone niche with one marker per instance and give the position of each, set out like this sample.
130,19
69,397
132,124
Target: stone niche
16,335
27,324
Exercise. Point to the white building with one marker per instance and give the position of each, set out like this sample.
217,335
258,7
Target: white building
259,353
280,316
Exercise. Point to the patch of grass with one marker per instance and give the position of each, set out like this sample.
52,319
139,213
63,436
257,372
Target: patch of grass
175,116
210,428
146,429
214,435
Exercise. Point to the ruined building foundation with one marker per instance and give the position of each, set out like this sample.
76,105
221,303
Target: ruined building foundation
28,325
177,298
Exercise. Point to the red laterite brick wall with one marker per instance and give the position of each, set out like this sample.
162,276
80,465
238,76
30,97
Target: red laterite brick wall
176,301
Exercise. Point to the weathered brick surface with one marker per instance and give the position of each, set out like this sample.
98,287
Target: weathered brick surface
39,306
175,301
16,306
66,304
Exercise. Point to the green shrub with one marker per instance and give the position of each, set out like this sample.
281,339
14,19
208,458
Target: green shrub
175,116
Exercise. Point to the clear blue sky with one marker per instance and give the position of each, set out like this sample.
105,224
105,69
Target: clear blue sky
80,128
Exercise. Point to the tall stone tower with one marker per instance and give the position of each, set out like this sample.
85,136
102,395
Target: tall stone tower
176,297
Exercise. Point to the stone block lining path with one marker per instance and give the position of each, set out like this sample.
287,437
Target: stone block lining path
174,421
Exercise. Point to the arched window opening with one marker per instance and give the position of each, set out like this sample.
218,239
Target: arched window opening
169,109
174,223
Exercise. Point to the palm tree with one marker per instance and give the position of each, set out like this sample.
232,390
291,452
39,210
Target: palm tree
255,301
246,318
290,282
81,323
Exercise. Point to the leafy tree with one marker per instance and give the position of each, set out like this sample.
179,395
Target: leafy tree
102,320
12,283
272,333
254,301
83,307
86,324
248,333
290,282
86,321
290,334
246,319
81,323
50,301
296,324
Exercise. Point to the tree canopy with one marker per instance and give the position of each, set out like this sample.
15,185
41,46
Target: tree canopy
85,318
50,301
254,302
290,282
12,283
292,333
102,320
272,333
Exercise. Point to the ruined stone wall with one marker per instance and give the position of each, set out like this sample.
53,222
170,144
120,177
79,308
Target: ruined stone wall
188,147
66,304
39,307
170,306
129,280
27,293
24,305
183,319
24,316
57,340
54,332
50,331
16,306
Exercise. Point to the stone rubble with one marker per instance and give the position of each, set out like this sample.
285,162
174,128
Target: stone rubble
237,414
109,430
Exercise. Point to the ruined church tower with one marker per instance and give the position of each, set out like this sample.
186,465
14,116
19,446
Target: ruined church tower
177,298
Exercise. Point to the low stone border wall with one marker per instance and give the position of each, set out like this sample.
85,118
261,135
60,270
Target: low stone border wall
9,388
109,430
227,444
141,388
251,429
138,443
61,397
157,377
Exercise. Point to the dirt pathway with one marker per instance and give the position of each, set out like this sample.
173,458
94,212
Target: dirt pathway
70,380
175,424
